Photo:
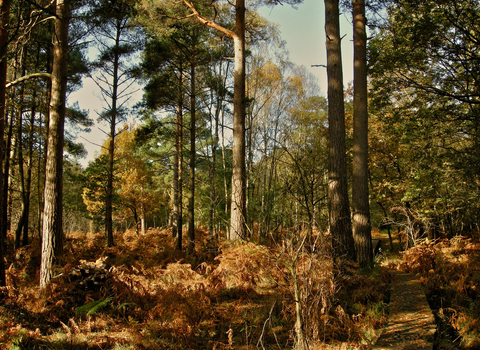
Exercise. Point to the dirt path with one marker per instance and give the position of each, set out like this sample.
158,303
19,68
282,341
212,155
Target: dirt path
411,324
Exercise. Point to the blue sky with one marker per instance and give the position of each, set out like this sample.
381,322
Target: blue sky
302,29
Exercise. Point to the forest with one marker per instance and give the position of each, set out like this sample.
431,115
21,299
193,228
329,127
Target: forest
236,205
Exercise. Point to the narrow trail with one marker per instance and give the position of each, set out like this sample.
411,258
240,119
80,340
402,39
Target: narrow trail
411,324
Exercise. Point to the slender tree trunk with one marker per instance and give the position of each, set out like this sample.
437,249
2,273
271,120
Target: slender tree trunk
4,19
52,241
360,194
43,161
213,192
143,221
111,145
339,210
21,173
177,173
191,196
7,195
20,163
224,166
238,203
40,183
28,179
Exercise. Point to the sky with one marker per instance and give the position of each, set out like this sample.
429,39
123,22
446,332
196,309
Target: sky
303,30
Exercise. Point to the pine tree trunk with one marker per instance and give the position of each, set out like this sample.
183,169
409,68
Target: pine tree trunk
143,221
360,194
238,203
28,179
7,196
52,241
20,162
191,198
177,172
4,19
21,180
339,210
213,192
111,145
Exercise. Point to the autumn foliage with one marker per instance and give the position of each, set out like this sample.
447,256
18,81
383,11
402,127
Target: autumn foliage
143,294
451,279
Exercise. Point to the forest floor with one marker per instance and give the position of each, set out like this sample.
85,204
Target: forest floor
411,324
142,294
447,272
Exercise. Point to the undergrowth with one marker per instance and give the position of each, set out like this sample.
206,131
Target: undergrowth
151,296
451,276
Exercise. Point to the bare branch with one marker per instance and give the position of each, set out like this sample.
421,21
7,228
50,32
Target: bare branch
27,77
208,22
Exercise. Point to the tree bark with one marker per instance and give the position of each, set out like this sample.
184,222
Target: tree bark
111,145
238,201
21,173
177,169
339,210
238,198
4,19
191,198
360,194
28,179
7,196
52,241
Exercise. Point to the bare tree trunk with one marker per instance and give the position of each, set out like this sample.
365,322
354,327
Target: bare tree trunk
177,172
4,19
143,221
52,241
18,230
360,195
191,198
20,163
238,203
339,210
111,145
224,165
7,195
28,179
213,192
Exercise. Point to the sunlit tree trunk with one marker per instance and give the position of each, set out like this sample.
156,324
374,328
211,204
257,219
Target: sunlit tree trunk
7,195
4,19
213,192
52,241
238,201
339,210
143,221
238,198
360,194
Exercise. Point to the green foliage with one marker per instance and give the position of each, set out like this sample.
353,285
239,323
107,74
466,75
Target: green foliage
93,307
424,117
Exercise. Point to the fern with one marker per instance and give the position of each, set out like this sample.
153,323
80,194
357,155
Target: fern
125,305
93,307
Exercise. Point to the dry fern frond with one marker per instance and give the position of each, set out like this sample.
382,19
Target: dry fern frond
65,328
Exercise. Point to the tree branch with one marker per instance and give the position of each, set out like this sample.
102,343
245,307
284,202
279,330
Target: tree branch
27,77
208,22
